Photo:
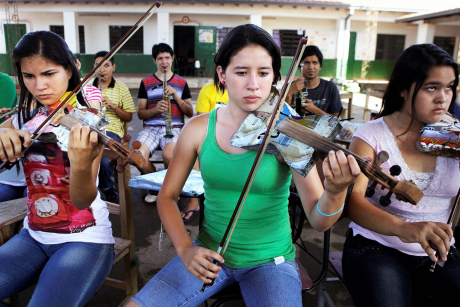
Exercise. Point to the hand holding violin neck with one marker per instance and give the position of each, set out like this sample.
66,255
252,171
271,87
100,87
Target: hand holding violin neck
404,190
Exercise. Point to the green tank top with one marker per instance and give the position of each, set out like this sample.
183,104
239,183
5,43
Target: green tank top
263,230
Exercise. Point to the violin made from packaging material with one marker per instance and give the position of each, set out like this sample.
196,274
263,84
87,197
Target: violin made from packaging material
403,190
132,155
8,113
57,112
441,138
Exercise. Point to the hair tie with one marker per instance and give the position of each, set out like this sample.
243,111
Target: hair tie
332,214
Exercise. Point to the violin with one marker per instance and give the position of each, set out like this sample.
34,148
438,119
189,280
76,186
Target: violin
3,115
404,190
132,156
441,138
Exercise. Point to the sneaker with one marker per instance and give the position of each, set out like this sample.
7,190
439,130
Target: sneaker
150,198
111,195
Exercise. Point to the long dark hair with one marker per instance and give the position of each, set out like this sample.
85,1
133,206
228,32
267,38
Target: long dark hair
412,67
51,47
243,36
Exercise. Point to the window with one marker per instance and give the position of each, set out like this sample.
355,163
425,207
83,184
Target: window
59,30
445,43
220,36
134,45
81,36
389,47
289,40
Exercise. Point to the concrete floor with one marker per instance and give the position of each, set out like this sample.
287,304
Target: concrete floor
151,260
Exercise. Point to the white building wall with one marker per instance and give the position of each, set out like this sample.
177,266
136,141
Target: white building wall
410,31
33,21
322,33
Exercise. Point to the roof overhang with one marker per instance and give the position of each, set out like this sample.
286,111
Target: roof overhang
432,17
308,3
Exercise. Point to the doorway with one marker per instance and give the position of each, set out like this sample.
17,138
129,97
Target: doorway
184,50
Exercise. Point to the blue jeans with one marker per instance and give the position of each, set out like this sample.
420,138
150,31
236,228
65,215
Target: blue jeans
262,285
66,274
10,192
105,170
376,275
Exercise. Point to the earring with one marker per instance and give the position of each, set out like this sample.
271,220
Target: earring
223,82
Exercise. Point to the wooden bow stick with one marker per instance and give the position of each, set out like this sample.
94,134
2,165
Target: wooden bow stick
57,112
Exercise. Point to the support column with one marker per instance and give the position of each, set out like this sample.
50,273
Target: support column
256,19
163,27
346,48
71,31
340,47
425,33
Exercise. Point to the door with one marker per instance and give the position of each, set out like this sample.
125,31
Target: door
205,48
351,56
13,33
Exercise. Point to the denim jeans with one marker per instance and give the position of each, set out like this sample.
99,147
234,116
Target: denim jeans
106,170
65,274
376,275
262,285
10,192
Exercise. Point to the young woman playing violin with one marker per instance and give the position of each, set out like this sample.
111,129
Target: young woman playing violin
389,250
66,245
248,66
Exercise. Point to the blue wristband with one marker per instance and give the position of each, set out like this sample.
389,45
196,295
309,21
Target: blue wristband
317,207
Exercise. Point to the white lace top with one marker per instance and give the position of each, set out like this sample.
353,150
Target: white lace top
439,188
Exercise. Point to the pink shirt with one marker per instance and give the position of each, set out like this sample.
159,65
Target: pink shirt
439,188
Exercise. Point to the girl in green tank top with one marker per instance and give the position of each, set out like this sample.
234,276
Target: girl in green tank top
260,254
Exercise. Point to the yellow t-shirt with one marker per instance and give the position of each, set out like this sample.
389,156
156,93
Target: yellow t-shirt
120,96
209,97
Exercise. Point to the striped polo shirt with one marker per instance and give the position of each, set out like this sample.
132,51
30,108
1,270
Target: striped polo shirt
119,95
151,88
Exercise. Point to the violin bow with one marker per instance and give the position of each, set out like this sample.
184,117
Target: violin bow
57,111
265,141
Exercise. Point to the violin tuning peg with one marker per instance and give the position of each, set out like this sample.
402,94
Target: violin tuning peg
385,201
126,138
371,189
370,192
113,162
395,170
136,144
121,167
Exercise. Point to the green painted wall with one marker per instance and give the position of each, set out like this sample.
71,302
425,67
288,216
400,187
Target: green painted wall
4,64
143,64
377,69
125,63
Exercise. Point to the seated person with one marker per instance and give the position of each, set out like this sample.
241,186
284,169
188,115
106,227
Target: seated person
209,98
389,250
8,99
119,109
321,96
152,107
66,247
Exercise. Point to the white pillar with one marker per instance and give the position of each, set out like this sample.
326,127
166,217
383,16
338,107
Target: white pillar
340,46
425,33
346,48
256,19
71,31
163,27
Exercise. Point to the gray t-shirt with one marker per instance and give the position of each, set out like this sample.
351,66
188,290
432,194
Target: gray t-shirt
325,96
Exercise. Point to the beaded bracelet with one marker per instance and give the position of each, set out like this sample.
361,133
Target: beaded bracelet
317,207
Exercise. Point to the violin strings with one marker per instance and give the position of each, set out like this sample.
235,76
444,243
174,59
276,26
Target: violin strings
325,145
